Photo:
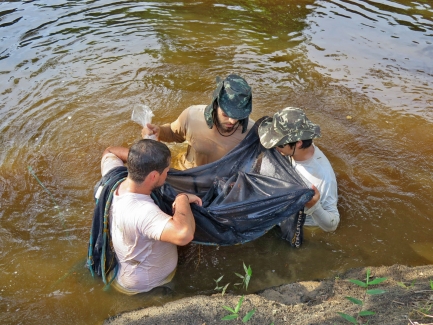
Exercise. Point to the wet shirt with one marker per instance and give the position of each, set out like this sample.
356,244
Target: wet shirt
316,171
136,225
204,145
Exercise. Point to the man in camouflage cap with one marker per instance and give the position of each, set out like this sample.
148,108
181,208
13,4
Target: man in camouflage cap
211,131
291,133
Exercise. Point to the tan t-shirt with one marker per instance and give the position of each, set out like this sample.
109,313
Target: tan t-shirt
204,145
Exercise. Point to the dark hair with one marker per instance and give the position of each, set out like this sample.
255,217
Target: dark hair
305,144
146,156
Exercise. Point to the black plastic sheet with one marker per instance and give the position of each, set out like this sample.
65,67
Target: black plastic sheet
240,201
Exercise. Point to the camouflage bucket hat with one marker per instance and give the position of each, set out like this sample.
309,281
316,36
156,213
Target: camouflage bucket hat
287,126
234,97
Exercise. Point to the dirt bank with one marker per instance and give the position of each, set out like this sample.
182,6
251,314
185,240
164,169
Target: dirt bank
408,300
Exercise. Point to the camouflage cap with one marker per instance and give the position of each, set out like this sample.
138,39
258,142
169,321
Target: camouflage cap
234,97
287,126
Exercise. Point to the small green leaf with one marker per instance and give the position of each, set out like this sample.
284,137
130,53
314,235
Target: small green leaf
401,284
431,284
224,289
229,309
368,276
248,315
241,276
348,318
355,301
219,279
249,271
247,281
230,317
375,291
360,283
377,281
366,313
245,268
238,306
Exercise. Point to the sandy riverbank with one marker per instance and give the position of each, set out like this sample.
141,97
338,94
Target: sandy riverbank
408,295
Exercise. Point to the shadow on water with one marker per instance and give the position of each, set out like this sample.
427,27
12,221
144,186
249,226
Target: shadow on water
71,72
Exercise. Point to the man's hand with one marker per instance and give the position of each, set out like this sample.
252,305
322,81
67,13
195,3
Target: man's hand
314,199
150,129
191,198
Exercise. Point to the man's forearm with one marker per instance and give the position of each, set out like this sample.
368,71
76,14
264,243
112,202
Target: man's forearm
120,152
166,134
184,218
326,220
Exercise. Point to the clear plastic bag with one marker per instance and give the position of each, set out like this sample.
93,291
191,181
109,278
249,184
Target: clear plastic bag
142,114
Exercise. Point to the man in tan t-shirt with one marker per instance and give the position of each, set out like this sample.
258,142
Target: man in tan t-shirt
210,131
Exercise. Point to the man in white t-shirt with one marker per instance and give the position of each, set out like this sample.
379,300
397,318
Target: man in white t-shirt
292,134
144,237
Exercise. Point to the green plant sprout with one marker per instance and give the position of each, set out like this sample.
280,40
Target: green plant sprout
431,284
234,312
222,288
403,285
360,303
245,278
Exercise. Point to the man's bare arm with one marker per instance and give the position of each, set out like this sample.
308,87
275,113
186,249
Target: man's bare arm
120,152
180,229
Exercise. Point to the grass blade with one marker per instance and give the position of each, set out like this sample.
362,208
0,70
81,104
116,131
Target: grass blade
219,279
366,313
375,291
377,281
224,289
348,318
238,306
248,315
230,317
241,276
360,283
229,309
355,301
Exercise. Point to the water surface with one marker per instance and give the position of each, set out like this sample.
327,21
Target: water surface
72,71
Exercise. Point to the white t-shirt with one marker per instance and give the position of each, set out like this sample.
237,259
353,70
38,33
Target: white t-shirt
316,171
136,225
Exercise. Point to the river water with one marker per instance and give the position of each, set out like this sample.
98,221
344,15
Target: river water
72,71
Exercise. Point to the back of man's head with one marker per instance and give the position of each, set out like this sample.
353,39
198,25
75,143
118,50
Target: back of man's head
146,156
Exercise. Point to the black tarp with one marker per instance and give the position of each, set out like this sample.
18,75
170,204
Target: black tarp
241,201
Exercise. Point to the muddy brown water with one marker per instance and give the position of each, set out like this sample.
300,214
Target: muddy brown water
72,71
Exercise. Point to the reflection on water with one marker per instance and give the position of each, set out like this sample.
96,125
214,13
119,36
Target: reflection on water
71,73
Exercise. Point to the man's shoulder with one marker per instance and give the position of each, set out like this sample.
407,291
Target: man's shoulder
110,161
191,112
195,108
321,159
319,155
